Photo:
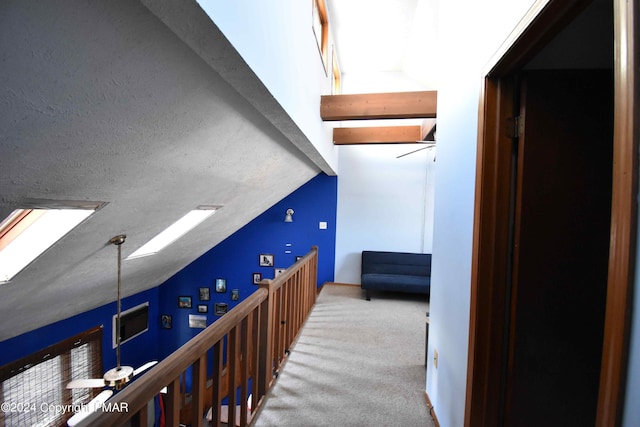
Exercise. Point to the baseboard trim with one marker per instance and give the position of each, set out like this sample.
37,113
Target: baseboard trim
341,284
432,410
336,284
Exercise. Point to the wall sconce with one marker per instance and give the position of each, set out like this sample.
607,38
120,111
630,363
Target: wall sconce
289,216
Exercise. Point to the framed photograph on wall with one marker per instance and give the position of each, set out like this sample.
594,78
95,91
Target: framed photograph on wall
278,271
166,321
221,285
184,302
204,294
257,278
197,321
235,294
203,308
266,260
220,308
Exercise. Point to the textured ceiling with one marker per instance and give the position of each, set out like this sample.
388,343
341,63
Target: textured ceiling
101,101
147,107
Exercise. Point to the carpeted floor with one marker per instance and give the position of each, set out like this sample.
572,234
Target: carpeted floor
356,363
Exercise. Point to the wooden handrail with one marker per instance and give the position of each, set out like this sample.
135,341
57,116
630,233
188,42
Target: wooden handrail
290,306
260,331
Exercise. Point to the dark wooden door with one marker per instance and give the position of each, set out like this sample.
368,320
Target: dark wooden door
561,248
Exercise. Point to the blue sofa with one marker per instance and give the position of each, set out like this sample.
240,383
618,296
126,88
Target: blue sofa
395,271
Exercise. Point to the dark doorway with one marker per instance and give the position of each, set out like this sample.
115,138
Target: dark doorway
561,248
555,220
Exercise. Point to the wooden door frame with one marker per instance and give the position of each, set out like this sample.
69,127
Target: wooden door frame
491,240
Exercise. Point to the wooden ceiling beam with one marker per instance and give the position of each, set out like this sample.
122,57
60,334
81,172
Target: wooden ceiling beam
382,134
377,135
393,105
385,134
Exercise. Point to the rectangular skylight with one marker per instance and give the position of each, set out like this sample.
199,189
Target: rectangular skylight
174,231
27,233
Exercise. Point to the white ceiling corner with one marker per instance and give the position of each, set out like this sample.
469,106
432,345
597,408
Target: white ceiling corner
382,36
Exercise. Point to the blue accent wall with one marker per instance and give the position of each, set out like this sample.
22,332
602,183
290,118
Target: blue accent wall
135,352
236,258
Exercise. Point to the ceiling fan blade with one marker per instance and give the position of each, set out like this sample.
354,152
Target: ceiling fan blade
87,383
144,367
92,406
428,145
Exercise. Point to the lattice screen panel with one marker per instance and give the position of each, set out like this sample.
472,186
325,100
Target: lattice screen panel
33,389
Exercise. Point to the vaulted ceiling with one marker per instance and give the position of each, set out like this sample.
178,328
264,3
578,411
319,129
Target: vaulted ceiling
101,101
147,107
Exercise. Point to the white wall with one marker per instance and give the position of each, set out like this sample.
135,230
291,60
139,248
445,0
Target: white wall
384,203
279,32
381,81
469,32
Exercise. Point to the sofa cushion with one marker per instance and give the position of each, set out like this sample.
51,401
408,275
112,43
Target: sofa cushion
396,282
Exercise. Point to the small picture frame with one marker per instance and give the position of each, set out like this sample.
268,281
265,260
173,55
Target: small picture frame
184,302
197,321
278,271
204,294
203,308
166,321
257,278
266,260
235,294
221,285
220,308
298,257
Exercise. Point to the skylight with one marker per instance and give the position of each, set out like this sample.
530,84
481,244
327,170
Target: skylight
27,233
174,231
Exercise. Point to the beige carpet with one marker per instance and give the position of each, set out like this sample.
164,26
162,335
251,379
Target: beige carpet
356,363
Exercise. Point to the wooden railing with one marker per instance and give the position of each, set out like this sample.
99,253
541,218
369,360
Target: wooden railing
246,346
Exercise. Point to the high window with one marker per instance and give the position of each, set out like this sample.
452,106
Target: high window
321,30
336,76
